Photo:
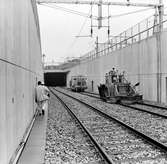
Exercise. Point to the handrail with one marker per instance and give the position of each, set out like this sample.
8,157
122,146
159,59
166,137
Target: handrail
94,53
132,36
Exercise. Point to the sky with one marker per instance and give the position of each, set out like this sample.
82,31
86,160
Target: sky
59,28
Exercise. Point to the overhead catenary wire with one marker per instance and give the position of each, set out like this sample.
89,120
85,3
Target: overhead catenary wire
113,16
128,13
72,44
89,16
74,41
70,11
73,12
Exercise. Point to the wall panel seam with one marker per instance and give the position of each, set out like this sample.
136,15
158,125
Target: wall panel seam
19,66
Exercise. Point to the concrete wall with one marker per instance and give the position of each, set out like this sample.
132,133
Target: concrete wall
164,67
138,60
20,67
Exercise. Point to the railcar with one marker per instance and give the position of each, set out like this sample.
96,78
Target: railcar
78,83
118,90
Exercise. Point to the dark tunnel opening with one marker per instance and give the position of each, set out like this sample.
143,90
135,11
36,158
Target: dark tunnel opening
54,79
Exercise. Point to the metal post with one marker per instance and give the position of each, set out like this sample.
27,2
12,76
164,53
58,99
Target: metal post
97,46
108,32
100,14
147,29
91,30
116,42
43,60
126,41
139,31
92,85
155,28
120,41
159,53
132,34
111,44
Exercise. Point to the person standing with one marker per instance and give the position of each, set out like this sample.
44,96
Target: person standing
47,92
42,95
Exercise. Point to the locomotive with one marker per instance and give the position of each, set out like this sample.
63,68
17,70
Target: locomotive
118,90
78,83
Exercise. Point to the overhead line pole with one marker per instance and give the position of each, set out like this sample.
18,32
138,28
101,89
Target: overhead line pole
159,52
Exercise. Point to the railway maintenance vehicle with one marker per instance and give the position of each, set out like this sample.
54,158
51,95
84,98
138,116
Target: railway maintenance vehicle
117,89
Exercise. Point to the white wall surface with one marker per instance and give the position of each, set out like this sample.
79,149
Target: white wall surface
164,67
139,60
20,67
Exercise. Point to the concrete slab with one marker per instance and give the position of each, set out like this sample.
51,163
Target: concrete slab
34,150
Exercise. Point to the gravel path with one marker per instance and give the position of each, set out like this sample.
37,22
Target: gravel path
65,141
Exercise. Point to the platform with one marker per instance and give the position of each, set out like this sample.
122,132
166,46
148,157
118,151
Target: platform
34,150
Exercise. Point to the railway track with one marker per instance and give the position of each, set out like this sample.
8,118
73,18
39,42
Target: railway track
153,105
123,145
66,141
149,124
157,110
91,94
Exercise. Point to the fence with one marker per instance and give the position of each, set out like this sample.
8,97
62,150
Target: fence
140,31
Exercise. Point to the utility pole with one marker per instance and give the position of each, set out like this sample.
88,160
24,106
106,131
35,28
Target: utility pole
159,53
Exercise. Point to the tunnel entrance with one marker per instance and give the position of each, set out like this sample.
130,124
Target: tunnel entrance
55,79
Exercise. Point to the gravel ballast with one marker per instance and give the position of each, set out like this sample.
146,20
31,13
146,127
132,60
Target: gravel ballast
65,141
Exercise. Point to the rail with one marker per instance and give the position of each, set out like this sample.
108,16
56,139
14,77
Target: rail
101,150
149,139
135,108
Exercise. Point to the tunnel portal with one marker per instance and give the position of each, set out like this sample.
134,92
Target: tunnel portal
55,79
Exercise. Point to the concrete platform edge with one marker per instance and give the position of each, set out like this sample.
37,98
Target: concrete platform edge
15,157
